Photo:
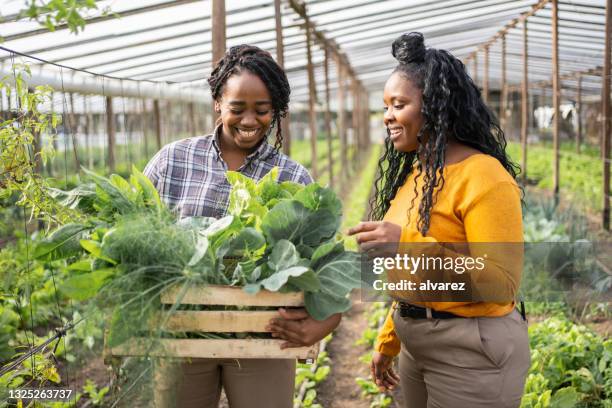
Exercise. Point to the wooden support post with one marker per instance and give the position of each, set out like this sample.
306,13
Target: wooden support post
503,92
311,102
171,128
158,125
556,98
280,59
36,146
485,79
88,133
524,105
579,114
218,36
366,105
342,119
475,65
144,124
192,119
330,162
74,130
110,131
606,125
355,121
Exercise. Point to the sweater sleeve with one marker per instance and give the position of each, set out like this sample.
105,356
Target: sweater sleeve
387,342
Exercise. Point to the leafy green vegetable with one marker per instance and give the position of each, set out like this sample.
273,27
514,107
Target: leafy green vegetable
278,237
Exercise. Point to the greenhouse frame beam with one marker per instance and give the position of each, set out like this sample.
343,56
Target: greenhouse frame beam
108,87
512,24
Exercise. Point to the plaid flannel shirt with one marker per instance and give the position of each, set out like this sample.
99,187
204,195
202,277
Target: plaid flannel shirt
190,174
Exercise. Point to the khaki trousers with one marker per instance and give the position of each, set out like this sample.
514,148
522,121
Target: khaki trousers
248,383
476,362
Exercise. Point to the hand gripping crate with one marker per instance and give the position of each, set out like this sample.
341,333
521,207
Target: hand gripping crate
219,321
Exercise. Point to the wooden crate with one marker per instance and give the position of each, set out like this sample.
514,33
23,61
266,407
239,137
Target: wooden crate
220,321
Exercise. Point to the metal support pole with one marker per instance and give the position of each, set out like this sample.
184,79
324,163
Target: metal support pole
556,99
524,105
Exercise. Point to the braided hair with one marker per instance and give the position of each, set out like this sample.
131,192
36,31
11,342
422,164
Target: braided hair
452,108
258,62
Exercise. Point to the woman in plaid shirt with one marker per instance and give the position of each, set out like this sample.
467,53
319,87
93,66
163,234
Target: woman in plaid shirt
251,95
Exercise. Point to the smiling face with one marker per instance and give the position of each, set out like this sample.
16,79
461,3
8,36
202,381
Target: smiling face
403,117
246,111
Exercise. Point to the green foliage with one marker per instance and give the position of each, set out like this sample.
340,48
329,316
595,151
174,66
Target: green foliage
95,395
131,247
19,159
581,176
52,13
570,366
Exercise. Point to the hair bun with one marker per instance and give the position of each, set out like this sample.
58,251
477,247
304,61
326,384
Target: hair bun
409,48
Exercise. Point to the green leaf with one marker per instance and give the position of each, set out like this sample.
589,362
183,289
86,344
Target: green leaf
291,187
218,226
95,248
278,279
249,239
291,220
325,250
322,307
315,197
338,276
61,244
87,285
307,282
565,398
283,256
149,192
200,250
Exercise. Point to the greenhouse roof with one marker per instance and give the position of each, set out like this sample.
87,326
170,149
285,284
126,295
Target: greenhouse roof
170,41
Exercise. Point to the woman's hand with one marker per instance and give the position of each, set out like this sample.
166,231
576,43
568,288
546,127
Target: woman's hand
382,372
374,234
299,329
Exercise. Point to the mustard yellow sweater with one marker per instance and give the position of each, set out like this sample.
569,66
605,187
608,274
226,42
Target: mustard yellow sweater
480,202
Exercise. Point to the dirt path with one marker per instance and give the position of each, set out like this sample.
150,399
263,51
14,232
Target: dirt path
340,389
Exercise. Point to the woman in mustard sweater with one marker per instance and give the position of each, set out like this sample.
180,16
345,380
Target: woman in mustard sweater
445,178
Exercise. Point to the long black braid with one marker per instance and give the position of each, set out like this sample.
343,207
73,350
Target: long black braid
452,107
260,63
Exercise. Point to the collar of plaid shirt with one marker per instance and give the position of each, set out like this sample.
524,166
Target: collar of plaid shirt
263,150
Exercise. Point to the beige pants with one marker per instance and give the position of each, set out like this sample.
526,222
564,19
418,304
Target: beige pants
477,362
248,383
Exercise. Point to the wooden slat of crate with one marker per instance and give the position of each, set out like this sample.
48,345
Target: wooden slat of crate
215,348
231,296
220,321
